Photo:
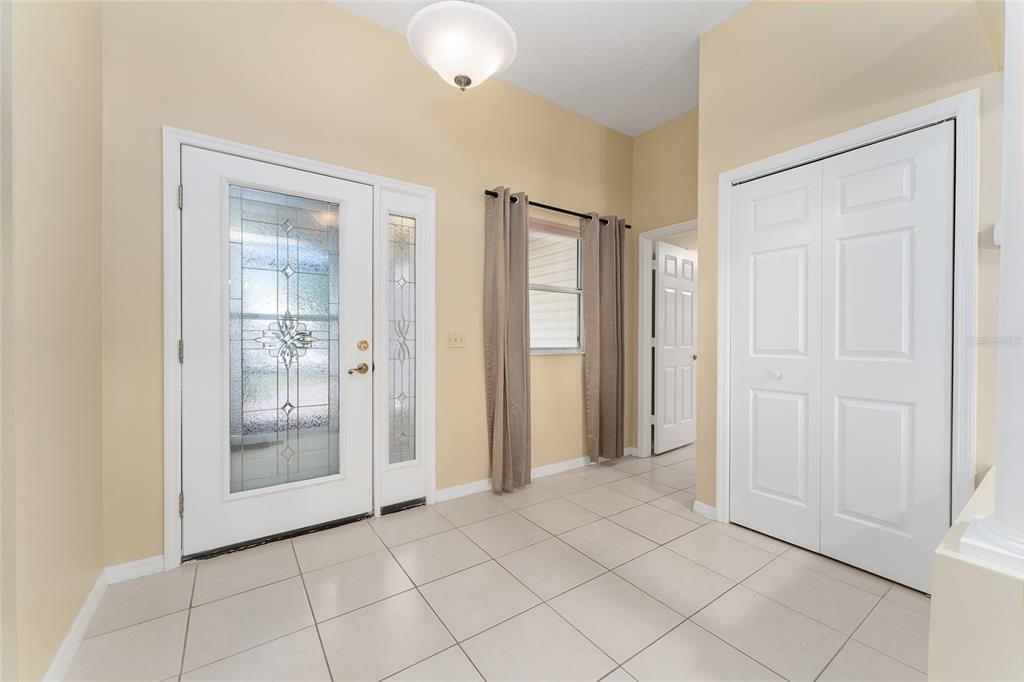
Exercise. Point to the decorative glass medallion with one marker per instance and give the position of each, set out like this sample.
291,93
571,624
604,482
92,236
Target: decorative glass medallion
284,338
402,338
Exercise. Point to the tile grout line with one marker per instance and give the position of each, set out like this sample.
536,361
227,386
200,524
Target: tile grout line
725,641
254,646
431,606
888,582
735,584
248,649
878,599
864,644
312,613
638,588
685,617
541,601
544,602
850,636
789,608
141,622
188,622
547,602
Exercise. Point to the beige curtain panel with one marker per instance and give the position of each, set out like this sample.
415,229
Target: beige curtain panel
604,359
507,338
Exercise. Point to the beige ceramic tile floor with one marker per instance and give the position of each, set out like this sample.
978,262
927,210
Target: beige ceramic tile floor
600,572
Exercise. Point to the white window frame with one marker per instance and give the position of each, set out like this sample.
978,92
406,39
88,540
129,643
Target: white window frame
566,231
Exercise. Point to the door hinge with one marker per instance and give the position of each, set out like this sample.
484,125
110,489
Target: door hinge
181,197
181,504
181,351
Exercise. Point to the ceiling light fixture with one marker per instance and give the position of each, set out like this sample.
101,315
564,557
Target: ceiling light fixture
463,42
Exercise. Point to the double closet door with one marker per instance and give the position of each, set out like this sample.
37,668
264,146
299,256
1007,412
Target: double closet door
842,318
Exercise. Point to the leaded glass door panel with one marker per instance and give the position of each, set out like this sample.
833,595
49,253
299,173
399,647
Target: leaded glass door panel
276,298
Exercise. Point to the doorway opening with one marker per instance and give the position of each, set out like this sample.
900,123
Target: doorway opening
667,342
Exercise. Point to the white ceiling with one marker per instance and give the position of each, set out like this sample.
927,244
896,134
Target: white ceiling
629,64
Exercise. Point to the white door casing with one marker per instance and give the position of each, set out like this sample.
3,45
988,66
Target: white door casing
215,517
675,339
775,355
886,381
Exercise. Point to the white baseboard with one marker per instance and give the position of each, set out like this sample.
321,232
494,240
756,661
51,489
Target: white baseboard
445,494
559,467
134,569
705,510
455,491
76,633
631,451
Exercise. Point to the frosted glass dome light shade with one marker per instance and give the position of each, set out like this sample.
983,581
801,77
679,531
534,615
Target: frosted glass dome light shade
463,42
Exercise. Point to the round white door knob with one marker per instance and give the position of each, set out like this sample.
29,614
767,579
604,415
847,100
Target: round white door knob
776,374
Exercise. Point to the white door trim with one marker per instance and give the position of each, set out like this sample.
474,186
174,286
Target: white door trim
963,108
173,138
645,255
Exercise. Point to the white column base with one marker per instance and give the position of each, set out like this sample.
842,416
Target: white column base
986,538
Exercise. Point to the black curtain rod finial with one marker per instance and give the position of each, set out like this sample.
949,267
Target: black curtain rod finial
548,207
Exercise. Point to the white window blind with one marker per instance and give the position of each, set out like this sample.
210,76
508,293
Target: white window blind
555,305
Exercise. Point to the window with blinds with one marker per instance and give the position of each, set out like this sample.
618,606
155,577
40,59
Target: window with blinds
555,295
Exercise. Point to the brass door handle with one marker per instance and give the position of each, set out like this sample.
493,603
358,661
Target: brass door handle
361,368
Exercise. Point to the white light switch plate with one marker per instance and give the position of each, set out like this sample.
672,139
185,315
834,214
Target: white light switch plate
455,340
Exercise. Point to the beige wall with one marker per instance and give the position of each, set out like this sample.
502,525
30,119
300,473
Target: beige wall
665,174
686,240
51,324
664,192
781,74
312,80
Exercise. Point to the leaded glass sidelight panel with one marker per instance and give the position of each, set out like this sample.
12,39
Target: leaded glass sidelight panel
284,331
402,338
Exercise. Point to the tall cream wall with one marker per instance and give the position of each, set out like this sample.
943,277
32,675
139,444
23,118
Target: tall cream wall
312,80
51,327
777,75
664,192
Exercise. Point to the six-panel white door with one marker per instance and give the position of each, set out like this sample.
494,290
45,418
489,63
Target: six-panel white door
776,364
887,319
276,297
841,295
675,337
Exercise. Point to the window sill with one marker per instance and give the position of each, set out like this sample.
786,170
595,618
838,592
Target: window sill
556,351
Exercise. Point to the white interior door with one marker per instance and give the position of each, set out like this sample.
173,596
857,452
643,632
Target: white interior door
887,340
276,300
675,347
775,354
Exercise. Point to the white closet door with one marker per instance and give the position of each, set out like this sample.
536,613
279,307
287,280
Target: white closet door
675,334
887,348
776,341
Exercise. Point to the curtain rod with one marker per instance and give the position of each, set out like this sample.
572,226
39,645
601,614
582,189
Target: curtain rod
492,193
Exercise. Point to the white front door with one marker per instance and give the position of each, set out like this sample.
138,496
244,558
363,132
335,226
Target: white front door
887,319
276,298
776,359
675,338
